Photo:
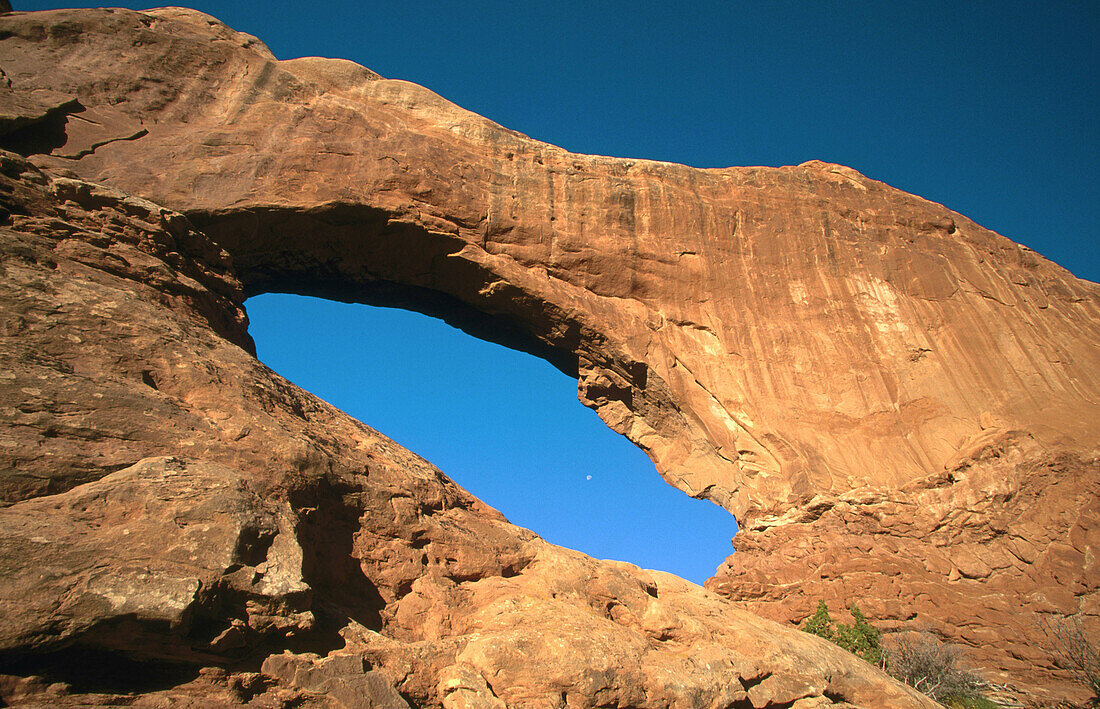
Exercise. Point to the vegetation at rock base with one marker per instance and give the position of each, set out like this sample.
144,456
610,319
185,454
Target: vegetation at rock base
926,664
917,659
861,638
820,623
975,702
1074,651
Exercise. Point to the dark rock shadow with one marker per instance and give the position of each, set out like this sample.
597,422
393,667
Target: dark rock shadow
341,591
95,670
44,135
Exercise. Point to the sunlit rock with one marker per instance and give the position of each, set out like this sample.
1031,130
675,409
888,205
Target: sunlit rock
899,405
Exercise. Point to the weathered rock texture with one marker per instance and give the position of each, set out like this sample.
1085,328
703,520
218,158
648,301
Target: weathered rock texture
900,406
196,530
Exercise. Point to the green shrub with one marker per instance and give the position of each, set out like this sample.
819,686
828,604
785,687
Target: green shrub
820,623
917,659
861,638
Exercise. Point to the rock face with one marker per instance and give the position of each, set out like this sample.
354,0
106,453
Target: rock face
184,527
975,554
899,406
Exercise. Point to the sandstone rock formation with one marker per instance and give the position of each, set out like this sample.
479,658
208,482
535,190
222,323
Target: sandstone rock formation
900,407
188,528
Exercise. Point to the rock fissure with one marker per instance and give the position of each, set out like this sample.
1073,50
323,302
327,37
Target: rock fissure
140,133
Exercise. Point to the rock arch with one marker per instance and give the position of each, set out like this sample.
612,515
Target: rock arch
359,254
766,334
810,348
777,332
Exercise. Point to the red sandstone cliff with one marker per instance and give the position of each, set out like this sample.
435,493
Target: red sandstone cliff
899,406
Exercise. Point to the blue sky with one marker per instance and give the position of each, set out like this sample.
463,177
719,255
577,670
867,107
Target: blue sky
990,108
505,425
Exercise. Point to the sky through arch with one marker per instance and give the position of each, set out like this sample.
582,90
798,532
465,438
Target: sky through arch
504,424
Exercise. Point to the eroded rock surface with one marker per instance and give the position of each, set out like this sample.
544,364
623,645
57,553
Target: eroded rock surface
827,357
247,543
977,555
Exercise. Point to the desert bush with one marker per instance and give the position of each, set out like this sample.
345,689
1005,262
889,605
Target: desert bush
861,638
820,623
973,702
931,667
1074,651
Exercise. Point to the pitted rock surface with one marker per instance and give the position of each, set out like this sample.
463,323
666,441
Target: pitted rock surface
805,346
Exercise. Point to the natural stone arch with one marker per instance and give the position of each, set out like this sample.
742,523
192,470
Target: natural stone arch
358,254
830,358
766,334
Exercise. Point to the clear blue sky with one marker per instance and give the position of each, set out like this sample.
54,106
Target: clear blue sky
991,108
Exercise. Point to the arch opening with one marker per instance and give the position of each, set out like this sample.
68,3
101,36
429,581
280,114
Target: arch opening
493,413
357,253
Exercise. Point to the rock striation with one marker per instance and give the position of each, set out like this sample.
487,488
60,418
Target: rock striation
186,528
899,406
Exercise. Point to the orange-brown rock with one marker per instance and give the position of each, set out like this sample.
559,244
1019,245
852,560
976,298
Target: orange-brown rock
973,554
845,367
196,531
